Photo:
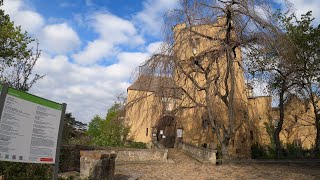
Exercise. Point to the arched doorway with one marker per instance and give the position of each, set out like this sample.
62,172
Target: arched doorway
166,131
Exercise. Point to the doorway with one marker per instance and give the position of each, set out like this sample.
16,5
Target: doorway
166,131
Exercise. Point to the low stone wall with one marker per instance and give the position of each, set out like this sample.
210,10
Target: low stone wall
96,165
70,155
133,155
202,154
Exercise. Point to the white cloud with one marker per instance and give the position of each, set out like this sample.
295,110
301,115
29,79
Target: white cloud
93,52
59,38
132,59
302,7
150,18
21,15
11,7
154,47
87,90
112,31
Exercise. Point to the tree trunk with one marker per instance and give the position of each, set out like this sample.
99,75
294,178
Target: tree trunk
230,65
225,150
280,123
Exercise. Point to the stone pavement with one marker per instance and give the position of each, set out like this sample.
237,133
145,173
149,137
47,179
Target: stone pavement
184,168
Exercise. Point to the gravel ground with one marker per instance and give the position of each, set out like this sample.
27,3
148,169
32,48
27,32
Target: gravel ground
185,167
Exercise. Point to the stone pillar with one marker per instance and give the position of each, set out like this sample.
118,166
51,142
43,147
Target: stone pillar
95,165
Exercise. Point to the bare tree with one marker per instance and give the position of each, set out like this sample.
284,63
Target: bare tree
202,54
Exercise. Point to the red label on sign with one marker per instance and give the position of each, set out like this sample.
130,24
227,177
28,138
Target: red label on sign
46,159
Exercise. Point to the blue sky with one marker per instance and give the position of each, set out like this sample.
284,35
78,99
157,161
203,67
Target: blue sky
91,47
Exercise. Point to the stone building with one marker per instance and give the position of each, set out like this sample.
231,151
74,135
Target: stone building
153,112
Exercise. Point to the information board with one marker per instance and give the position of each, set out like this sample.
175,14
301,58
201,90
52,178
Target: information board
29,128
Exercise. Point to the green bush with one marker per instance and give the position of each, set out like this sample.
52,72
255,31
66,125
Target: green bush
82,140
317,154
108,131
138,145
259,152
293,151
25,171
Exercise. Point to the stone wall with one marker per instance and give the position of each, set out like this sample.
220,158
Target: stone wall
70,155
132,155
202,154
96,165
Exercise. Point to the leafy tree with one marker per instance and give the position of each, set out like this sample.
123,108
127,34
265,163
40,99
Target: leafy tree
306,39
272,64
18,55
291,63
95,129
109,131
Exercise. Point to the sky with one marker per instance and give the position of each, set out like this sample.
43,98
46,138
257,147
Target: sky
90,48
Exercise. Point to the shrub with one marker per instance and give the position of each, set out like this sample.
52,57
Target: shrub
138,145
23,171
258,152
293,151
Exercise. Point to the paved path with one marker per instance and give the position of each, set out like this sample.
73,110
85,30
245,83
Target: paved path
185,168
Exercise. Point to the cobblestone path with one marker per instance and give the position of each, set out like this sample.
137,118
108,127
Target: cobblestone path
185,168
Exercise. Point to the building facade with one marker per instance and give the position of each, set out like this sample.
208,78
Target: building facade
154,103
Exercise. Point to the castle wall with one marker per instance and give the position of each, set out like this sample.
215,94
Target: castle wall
143,110
298,125
260,116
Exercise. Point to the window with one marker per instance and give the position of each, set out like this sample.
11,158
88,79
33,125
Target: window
147,132
251,135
